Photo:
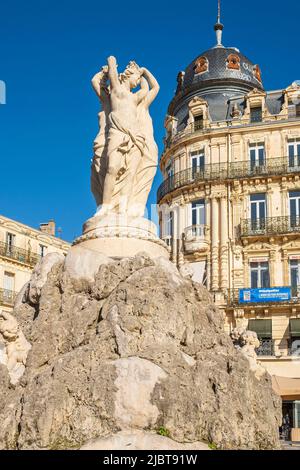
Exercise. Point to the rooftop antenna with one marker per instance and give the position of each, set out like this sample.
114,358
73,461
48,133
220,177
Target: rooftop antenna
219,27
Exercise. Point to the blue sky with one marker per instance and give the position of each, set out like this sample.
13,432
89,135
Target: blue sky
49,50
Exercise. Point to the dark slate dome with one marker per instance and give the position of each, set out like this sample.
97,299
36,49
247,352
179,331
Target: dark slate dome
217,75
221,65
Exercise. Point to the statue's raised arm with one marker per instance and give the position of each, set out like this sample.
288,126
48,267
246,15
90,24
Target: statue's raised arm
113,73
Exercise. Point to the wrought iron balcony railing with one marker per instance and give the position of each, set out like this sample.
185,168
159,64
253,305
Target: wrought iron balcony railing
266,348
270,226
7,297
227,171
201,127
19,254
233,297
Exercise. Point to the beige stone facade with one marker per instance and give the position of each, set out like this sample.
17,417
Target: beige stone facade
21,247
229,206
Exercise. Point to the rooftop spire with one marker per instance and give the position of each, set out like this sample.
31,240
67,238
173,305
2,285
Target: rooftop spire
219,27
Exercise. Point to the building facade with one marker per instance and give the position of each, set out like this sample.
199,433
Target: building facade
21,247
229,205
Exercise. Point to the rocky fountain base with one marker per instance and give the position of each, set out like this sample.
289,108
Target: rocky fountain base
125,351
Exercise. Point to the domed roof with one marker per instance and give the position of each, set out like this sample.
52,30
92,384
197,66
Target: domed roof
221,66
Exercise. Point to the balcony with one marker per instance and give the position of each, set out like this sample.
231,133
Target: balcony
19,254
197,128
7,297
226,171
196,238
266,347
270,226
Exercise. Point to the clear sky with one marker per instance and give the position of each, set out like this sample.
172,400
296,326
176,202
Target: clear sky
50,49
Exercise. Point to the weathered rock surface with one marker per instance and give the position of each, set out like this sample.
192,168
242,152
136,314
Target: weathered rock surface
135,349
140,440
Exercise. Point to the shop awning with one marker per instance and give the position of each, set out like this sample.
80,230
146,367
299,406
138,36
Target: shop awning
286,386
295,327
263,328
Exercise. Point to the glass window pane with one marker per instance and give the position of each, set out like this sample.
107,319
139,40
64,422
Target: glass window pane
254,279
253,211
293,208
294,277
194,217
262,210
258,197
291,150
261,155
265,280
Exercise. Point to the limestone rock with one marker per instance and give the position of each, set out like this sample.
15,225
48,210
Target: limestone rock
138,349
40,274
14,347
140,440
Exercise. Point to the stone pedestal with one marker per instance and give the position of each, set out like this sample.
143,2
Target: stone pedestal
118,236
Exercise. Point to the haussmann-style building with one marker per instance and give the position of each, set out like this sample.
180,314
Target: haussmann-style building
21,247
229,205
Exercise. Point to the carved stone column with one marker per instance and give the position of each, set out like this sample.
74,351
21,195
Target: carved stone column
215,245
285,261
181,227
224,244
208,271
246,270
175,234
272,267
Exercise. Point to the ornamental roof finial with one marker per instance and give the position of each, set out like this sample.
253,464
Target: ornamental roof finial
219,27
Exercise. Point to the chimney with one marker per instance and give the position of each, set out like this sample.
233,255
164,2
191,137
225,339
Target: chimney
48,227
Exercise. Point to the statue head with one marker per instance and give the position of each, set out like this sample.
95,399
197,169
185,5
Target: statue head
132,74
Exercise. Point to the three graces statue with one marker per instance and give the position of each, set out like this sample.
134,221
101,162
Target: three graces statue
125,152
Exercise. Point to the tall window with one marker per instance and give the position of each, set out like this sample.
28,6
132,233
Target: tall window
9,281
294,152
259,274
170,176
169,228
169,170
198,160
198,122
258,211
295,276
294,197
43,249
198,212
10,239
256,114
257,155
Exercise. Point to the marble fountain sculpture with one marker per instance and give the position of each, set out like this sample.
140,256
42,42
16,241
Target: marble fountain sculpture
124,164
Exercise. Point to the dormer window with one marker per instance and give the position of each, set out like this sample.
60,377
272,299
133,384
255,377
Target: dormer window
256,114
293,109
198,122
201,65
233,62
257,73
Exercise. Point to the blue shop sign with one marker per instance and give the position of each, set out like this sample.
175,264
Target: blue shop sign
266,294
